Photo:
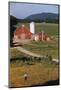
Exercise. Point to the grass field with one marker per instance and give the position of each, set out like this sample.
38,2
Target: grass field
51,29
43,48
38,72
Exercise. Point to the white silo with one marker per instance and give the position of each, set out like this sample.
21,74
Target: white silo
32,27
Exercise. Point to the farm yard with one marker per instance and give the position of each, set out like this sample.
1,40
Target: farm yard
43,47
39,70
50,28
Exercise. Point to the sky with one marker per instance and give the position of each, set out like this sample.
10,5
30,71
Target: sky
22,10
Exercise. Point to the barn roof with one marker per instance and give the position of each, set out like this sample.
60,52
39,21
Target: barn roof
22,29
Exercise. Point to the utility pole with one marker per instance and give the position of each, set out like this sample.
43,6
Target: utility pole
42,35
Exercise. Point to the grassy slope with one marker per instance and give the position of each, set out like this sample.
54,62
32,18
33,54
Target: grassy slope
43,48
37,74
14,53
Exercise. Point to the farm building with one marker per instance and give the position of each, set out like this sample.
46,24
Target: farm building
43,36
23,33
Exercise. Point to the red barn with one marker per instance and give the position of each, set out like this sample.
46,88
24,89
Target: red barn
22,33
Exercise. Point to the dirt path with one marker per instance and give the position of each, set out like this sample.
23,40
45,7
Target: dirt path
32,54
27,52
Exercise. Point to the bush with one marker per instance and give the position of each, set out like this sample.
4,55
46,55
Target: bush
50,58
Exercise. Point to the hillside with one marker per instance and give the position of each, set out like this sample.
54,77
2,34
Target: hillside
43,17
40,17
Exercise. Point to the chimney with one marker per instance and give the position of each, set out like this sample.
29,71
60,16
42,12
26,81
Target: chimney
32,27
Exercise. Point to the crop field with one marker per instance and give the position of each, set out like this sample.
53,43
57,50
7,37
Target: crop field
39,70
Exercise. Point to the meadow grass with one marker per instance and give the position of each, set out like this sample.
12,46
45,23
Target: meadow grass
43,48
51,29
37,74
